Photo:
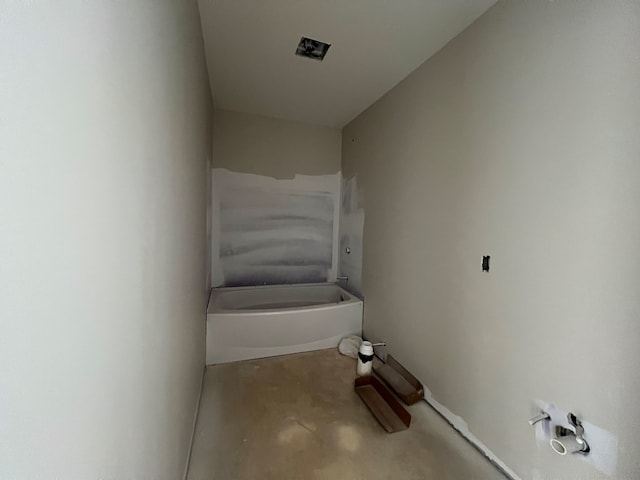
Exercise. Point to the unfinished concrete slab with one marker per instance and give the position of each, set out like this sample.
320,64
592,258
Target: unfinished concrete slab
298,417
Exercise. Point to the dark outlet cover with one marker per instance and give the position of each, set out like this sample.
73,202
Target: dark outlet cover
485,263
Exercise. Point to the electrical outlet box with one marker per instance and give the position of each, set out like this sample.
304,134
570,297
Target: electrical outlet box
485,263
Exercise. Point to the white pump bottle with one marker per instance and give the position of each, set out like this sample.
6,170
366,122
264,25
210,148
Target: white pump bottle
365,358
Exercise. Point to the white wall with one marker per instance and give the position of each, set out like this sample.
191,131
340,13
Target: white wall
273,147
518,140
104,135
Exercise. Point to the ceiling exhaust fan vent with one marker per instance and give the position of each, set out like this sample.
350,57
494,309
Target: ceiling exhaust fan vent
307,47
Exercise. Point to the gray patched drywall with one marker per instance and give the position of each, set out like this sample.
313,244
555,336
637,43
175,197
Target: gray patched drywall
270,231
518,140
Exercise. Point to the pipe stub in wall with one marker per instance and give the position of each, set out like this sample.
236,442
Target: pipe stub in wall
567,444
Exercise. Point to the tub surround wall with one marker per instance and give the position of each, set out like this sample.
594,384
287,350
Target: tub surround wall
276,201
269,231
518,140
105,129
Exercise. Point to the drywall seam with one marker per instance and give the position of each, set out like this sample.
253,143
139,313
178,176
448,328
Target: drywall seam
195,422
460,426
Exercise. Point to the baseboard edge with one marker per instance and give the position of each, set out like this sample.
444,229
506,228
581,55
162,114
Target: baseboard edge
193,430
460,426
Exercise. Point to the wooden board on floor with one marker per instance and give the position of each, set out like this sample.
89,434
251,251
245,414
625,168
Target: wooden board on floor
387,410
405,385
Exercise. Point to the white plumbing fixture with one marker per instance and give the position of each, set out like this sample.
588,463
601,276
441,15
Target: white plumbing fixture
571,442
539,418
365,358
568,444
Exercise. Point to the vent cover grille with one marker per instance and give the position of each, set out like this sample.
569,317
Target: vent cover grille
310,48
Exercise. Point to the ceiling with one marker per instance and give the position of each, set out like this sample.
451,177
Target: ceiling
250,47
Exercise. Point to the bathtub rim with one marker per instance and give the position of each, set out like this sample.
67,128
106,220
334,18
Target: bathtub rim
213,309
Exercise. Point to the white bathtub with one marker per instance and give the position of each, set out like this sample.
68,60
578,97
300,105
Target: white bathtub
256,322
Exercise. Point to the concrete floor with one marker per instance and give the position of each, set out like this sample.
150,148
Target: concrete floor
298,417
